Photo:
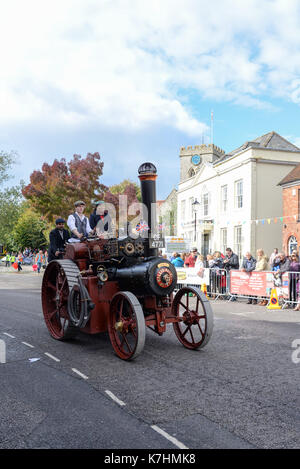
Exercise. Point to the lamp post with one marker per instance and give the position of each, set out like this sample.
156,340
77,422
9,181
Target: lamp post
195,208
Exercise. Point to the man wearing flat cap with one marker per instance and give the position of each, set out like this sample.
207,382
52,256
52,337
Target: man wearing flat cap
58,238
78,223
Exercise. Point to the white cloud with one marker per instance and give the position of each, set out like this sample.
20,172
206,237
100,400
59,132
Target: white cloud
123,62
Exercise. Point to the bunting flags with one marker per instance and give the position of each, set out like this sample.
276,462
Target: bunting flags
260,221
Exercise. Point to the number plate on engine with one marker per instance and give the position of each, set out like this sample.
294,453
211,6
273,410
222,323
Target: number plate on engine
156,243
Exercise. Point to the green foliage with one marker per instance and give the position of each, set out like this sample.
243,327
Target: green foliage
10,210
29,230
6,162
118,189
53,190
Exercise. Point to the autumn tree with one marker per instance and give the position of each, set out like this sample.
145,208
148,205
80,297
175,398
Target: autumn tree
131,195
53,190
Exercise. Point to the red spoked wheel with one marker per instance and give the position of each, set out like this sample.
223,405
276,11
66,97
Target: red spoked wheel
126,325
58,280
195,325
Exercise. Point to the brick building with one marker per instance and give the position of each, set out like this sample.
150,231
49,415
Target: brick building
291,210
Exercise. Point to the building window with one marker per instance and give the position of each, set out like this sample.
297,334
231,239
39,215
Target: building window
223,240
183,210
205,204
292,245
238,186
238,241
224,199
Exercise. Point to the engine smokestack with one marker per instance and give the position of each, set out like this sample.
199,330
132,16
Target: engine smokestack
147,175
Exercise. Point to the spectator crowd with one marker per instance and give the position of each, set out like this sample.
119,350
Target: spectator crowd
38,258
221,264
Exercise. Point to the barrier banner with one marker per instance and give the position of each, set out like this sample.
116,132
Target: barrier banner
257,283
190,276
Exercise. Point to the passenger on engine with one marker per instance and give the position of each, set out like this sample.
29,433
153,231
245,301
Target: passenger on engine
79,224
100,220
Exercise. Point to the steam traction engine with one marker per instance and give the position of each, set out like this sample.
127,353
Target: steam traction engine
121,285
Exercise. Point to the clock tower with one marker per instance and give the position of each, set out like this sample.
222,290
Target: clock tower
193,158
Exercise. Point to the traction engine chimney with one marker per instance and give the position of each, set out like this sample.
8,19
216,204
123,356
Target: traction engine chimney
147,175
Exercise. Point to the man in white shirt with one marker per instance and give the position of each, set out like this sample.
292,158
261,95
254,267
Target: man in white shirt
78,223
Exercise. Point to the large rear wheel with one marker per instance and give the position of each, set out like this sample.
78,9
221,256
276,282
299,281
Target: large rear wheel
58,280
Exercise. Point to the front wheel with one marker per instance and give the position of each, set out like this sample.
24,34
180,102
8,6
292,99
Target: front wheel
126,325
195,317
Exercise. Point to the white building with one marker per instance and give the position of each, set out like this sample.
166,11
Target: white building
240,203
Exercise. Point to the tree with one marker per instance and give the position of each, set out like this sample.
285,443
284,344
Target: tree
6,162
53,190
133,195
10,210
29,230
123,186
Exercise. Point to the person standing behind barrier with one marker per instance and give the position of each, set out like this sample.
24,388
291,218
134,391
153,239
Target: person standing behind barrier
199,265
273,257
191,260
177,261
294,270
261,265
248,265
208,264
216,279
231,262
183,256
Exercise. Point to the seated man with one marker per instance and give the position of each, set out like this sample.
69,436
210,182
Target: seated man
58,238
78,223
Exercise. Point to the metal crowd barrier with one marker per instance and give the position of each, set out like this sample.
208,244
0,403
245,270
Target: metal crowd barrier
218,287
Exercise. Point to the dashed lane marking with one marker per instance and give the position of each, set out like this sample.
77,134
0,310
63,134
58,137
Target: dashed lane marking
28,345
169,437
51,356
114,398
80,374
9,335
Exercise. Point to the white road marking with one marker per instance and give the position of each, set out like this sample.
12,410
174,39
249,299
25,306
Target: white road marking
247,337
2,351
169,437
80,374
51,356
9,335
28,345
239,314
114,398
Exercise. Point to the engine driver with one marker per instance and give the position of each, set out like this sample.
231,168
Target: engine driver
78,223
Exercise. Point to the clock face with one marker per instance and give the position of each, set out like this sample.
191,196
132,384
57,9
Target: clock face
196,159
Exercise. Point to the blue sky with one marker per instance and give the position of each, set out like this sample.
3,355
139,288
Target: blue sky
136,80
